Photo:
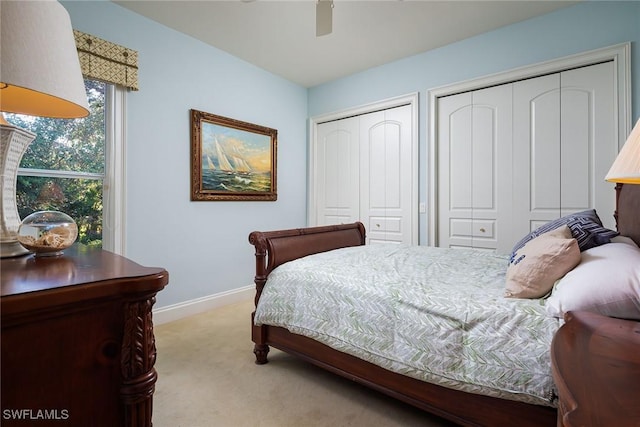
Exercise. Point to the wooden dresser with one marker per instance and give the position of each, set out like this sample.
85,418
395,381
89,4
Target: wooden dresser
596,367
77,340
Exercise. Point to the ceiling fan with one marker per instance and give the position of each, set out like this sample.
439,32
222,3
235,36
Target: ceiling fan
324,17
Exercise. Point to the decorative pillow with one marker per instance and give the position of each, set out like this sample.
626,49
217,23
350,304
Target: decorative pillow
589,234
607,281
534,268
586,227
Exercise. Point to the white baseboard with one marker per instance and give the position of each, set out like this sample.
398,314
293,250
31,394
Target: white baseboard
189,308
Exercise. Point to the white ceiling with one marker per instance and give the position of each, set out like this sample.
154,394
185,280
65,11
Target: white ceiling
279,36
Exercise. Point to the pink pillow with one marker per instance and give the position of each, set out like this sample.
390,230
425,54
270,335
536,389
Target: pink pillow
534,268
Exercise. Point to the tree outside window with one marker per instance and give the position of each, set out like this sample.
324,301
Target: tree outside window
64,167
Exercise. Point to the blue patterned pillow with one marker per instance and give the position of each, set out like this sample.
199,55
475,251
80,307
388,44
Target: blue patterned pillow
590,234
585,227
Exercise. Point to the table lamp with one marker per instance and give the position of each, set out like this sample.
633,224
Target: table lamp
626,167
39,76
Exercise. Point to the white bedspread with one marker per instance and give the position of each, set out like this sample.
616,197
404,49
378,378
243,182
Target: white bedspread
435,314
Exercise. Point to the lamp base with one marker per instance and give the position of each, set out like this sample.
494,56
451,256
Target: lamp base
13,143
12,249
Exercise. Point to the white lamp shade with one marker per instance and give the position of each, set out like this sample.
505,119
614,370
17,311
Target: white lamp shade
626,167
39,67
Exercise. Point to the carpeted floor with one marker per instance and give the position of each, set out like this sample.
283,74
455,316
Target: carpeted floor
208,378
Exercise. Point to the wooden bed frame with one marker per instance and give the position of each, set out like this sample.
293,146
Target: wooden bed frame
277,247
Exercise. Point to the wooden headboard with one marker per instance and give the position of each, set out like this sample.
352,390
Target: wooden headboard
627,213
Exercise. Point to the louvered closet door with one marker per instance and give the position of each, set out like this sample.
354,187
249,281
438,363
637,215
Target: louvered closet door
474,168
385,175
337,172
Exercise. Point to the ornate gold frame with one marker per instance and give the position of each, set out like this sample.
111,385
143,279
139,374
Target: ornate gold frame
232,160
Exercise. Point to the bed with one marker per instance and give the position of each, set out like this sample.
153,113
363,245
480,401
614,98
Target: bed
503,398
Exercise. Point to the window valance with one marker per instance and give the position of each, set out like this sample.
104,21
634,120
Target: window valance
106,61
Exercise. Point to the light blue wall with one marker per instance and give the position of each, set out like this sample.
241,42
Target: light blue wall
203,245
579,28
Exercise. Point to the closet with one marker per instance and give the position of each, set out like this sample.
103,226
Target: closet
364,171
513,156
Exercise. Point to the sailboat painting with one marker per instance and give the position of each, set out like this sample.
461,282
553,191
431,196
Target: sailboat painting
231,160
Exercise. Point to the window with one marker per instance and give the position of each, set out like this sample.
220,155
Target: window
74,166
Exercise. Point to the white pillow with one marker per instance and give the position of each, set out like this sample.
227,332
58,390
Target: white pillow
624,239
607,281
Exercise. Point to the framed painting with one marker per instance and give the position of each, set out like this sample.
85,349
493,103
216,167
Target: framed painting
231,160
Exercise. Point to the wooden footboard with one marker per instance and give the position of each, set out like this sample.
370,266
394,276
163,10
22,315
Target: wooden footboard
277,247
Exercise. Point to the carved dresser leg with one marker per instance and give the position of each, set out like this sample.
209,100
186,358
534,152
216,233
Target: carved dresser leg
138,358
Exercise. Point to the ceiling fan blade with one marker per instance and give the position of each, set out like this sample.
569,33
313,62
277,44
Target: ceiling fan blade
324,17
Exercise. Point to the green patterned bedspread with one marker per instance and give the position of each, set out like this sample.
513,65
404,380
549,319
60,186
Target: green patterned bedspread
434,314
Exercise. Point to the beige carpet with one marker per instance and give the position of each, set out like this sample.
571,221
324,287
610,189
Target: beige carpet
208,378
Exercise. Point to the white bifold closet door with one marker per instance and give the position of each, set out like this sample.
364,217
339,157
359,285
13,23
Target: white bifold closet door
565,140
364,173
514,156
474,167
337,177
